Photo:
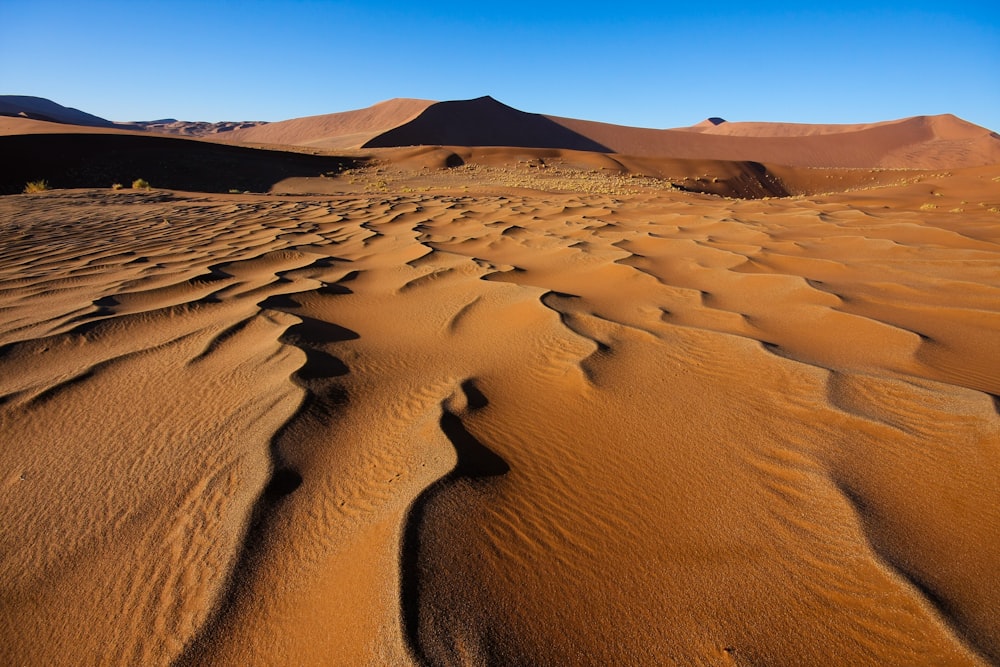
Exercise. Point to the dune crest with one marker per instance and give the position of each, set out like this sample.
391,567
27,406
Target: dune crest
41,109
920,142
483,122
923,142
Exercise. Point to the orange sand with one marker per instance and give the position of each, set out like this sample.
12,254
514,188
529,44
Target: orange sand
463,427
920,142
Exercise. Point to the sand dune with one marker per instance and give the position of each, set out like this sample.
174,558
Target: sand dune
947,123
22,107
185,128
36,150
483,122
922,142
67,157
452,419
39,108
349,129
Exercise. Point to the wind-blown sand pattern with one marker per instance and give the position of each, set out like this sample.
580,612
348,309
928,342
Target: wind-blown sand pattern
538,428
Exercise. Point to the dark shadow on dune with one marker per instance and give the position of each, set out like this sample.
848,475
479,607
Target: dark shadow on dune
81,160
283,482
483,122
476,462
334,289
476,399
770,184
324,396
474,459
312,332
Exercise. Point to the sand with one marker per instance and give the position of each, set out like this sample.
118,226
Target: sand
544,407
920,142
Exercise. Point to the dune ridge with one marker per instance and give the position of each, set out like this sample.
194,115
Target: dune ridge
920,142
471,426
718,157
948,124
483,122
348,129
39,108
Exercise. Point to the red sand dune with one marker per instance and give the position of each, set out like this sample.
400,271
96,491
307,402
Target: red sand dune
484,122
921,142
335,130
39,108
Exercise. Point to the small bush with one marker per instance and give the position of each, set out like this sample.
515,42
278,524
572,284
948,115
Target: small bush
116,186
141,184
36,186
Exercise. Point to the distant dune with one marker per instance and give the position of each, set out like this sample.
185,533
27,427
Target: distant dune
920,142
336,130
39,108
187,128
484,122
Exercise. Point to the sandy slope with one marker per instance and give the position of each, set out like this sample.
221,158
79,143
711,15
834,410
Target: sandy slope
920,142
348,129
39,108
465,427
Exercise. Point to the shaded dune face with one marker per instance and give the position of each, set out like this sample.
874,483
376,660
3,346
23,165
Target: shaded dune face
39,108
80,159
483,122
920,142
480,429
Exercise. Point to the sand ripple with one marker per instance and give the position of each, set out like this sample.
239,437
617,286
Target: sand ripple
478,429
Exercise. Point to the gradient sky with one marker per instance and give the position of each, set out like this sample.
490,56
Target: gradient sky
632,63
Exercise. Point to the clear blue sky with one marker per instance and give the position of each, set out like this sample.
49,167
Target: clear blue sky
634,63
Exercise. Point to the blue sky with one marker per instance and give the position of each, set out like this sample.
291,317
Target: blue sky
633,63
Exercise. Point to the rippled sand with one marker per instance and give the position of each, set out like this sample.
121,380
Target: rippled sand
481,428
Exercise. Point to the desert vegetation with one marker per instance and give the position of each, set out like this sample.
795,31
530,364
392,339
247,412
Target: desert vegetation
36,186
